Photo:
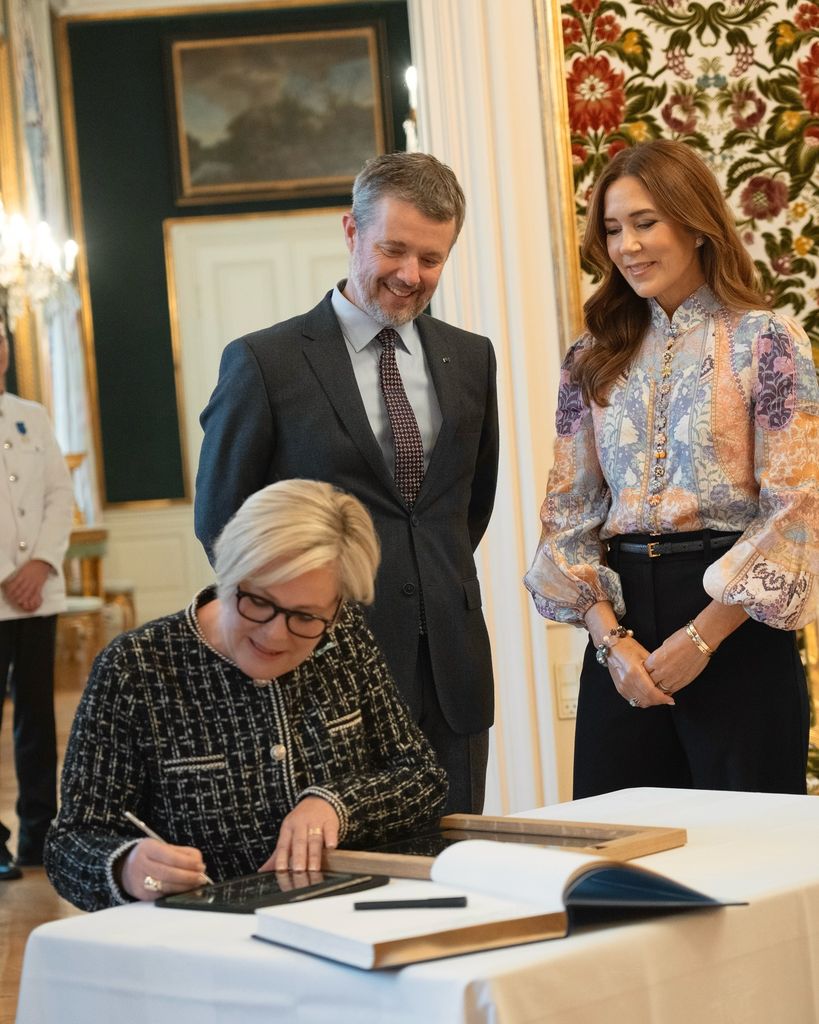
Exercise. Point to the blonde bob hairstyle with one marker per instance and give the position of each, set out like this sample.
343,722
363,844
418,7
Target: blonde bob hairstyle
292,527
685,191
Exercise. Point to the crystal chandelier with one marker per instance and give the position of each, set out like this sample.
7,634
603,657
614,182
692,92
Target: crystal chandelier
32,265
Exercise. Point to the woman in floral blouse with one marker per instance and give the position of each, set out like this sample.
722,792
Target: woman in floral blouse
681,520
251,730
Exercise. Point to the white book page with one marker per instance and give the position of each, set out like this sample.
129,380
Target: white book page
536,875
336,914
332,927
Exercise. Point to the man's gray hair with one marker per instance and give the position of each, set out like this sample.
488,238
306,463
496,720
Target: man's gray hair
416,178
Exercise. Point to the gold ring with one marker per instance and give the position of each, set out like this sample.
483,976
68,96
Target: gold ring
152,884
662,688
315,831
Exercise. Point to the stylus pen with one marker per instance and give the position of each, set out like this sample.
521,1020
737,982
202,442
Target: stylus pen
437,901
153,835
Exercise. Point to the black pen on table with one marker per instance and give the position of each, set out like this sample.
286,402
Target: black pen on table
435,902
153,835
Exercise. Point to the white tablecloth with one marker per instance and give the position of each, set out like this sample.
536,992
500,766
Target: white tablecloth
759,963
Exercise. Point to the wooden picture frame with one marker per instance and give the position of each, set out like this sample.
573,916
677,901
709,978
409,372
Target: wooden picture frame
276,116
620,842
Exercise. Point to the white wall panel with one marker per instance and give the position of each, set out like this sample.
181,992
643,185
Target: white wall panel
233,275
228,276
157,552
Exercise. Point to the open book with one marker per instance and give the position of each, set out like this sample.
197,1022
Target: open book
515,894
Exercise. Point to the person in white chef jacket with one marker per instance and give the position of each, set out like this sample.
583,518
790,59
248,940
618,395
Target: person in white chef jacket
36,502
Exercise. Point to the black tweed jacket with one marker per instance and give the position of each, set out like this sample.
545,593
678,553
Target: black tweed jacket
174,732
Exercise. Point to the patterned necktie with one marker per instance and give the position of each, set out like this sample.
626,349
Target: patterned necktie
409,450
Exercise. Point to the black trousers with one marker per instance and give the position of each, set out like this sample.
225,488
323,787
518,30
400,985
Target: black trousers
27,673
463,757
742,724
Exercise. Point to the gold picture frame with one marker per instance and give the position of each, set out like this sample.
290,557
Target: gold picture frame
275,116
620,842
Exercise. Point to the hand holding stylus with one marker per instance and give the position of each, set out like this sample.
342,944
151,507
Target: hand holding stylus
154,867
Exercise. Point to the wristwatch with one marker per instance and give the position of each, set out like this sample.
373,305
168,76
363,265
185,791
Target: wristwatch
601,652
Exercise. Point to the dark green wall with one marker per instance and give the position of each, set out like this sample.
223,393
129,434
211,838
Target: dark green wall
126,177
11,374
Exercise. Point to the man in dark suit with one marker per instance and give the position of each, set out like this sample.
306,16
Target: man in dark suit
400,409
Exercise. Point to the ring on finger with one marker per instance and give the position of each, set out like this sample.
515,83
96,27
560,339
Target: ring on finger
661,688
634,702
152,884
315,831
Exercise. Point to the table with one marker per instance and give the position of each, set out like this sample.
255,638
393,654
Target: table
758,963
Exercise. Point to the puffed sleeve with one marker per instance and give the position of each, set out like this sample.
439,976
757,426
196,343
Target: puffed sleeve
568,574
772,570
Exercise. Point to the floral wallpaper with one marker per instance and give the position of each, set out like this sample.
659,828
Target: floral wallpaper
739,81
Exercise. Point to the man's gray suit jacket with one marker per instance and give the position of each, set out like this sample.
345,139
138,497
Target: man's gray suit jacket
287,405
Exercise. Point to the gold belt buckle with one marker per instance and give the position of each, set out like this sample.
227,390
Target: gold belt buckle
650,549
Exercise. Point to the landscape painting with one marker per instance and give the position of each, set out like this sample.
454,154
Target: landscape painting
275,116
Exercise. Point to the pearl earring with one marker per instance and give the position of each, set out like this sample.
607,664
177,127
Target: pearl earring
699,241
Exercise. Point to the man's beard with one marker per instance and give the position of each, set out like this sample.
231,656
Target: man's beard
374,309
384,318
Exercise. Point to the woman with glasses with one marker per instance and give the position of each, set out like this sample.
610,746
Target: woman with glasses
251,730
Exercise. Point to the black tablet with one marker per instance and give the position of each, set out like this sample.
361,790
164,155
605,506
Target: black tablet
243,895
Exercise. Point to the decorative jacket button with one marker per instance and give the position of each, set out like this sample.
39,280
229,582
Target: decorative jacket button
12,477
408,589
22,545
7,445
278,752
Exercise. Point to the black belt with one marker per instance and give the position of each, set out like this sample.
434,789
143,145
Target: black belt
656,548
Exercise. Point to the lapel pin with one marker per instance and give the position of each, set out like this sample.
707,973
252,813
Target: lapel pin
444,359
21,427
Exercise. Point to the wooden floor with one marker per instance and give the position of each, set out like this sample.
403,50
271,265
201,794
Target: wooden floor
30,901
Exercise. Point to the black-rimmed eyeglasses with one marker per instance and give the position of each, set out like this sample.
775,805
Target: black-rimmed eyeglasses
302,624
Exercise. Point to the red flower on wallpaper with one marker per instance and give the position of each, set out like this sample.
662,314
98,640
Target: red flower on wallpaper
809,79
586,6
763,198
747,108
607,28
572,31
680,113
806,18
596,96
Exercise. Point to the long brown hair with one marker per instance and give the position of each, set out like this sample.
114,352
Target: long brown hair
685,190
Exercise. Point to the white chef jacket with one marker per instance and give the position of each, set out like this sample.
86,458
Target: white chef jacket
36,501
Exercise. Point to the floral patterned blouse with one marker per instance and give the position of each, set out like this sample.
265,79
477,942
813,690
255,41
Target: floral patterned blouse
715,426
